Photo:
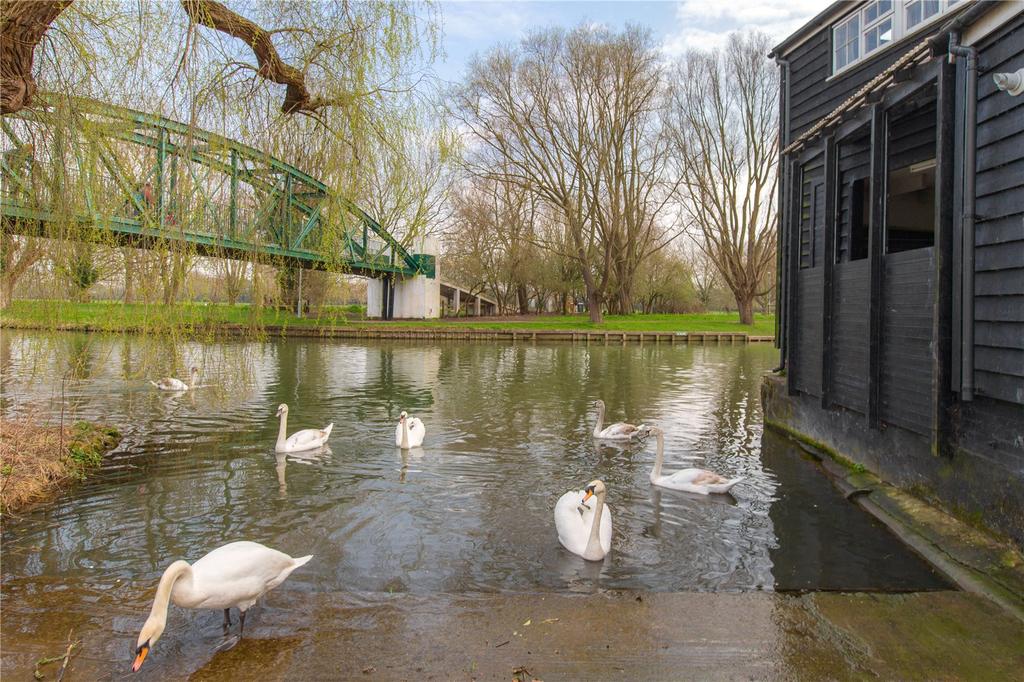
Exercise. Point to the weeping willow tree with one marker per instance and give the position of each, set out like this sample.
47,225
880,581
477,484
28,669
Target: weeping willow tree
334,88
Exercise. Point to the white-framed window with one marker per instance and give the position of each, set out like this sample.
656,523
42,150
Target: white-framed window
878,23
846,43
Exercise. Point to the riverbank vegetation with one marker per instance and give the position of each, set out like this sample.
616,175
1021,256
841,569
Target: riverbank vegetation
116,317
36,460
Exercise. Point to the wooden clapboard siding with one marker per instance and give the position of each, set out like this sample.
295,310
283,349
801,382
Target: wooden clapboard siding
912,136
906,365
999,228
854,157
850,335
807,334
812,210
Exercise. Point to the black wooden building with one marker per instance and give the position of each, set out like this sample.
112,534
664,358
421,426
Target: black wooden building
901,245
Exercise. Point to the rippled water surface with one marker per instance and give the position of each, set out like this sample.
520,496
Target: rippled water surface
508,432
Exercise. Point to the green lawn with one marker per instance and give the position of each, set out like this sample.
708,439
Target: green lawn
118,316
764,325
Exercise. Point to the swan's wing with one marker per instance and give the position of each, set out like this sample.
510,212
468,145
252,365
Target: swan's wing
572,531
685,476
398,434
705,477
171,384
619,430
239,573
415,425
605,534
305,437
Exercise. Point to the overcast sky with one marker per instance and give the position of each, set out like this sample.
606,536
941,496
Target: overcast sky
472,26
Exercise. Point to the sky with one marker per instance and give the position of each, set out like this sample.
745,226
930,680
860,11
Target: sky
473,26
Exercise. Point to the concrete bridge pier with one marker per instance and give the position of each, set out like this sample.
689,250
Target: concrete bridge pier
415,298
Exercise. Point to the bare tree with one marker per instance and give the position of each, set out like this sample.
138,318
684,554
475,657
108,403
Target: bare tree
572,117
17,255
233,277
725,122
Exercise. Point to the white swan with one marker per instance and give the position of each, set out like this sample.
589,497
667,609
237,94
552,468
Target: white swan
691,480
236,574
618,430
583,529
172,384
307,439
409,432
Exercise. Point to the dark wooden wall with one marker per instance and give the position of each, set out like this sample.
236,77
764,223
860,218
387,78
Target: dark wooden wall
999,230
850,335
812,213
906,368
806,337
854,164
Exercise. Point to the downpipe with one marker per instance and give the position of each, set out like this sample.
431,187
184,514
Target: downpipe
781,303
967,220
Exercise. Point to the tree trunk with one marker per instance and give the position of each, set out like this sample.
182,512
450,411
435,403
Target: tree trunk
129,274
6,291
524,300
745,304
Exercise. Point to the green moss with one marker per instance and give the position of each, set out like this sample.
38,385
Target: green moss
89,443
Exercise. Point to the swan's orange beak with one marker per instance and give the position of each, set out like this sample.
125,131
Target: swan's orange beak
139,658
588,495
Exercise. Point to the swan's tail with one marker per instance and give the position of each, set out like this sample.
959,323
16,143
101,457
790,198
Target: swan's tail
327,430
725,487
301,561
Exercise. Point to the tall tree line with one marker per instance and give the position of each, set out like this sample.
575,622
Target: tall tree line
588,146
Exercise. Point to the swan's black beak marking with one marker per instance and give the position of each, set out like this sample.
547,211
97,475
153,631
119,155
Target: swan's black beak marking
140,656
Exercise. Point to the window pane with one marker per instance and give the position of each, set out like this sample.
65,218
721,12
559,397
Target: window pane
877,9
931,8
914,13
878,36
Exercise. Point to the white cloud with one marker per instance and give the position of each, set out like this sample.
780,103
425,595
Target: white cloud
707,23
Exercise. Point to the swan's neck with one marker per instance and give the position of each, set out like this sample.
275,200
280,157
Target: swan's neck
405,434
594,543
178,570
600,420
282,431
192,380
659,459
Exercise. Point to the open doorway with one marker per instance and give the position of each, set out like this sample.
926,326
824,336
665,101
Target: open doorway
910,180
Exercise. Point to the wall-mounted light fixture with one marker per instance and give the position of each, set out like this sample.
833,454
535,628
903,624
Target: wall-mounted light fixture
1013,82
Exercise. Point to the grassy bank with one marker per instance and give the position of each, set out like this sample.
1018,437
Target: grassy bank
196,316
36,461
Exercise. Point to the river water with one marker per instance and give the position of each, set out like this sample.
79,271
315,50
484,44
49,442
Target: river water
508,431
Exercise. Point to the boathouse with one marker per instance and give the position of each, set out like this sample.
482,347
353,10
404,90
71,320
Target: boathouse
901,246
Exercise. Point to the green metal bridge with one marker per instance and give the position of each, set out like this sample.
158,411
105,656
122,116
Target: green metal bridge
87,170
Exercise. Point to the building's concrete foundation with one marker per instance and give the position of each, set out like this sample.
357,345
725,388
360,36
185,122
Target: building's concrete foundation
968,481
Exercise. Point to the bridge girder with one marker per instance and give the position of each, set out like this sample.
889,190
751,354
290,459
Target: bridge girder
142,179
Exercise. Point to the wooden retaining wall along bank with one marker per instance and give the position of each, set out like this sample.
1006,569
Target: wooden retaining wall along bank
514,335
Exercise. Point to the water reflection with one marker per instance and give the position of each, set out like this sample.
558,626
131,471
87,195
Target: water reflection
509,430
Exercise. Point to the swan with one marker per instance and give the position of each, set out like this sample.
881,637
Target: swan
409,432
172,384
236,574
582,529
307,439
618,430
699,481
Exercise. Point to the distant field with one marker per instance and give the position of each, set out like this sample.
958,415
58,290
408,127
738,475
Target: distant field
119,316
